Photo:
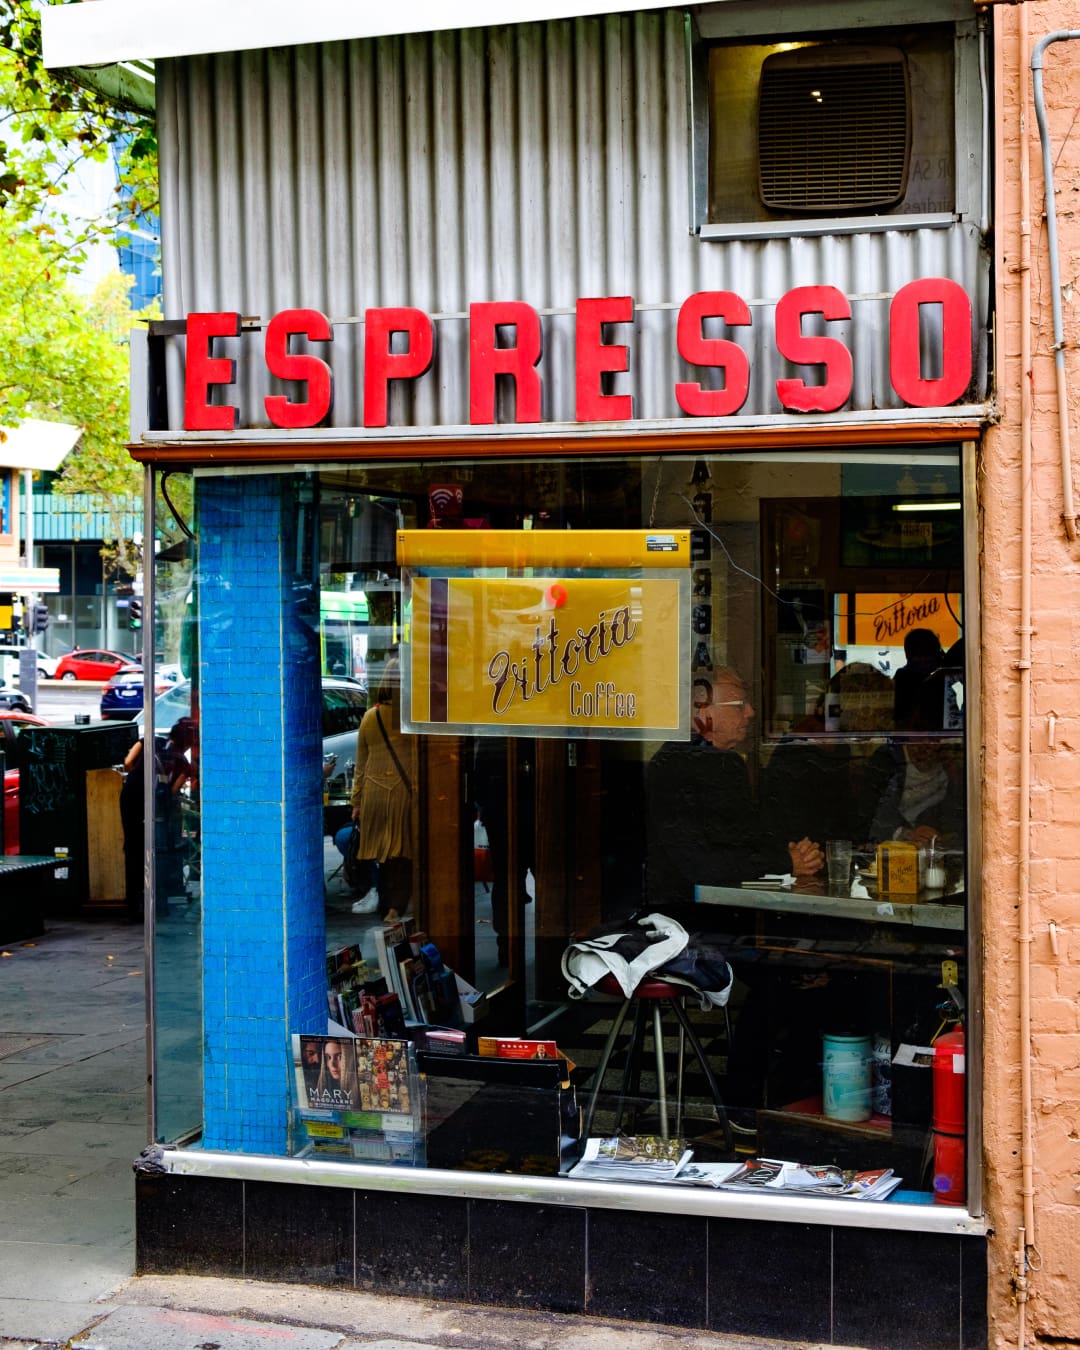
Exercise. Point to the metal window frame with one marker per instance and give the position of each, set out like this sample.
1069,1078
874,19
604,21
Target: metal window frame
964,1220
971,118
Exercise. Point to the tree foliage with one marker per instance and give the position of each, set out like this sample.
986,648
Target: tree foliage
48,126
64,356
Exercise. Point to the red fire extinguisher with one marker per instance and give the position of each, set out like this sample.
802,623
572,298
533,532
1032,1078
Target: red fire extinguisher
949,1097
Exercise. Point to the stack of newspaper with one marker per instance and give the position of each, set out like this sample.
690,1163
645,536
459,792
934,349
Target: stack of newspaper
643,1157
792,1178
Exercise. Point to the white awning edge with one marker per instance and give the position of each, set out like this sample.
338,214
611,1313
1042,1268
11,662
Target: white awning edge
109,31
35,444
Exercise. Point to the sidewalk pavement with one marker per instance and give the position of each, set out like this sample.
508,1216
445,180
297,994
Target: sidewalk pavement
190,1313
72,1118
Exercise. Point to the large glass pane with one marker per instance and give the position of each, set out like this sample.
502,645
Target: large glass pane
798,837
177,918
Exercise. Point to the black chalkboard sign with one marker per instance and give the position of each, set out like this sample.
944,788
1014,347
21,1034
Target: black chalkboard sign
53,763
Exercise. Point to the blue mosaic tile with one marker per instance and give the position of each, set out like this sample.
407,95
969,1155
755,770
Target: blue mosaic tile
260,772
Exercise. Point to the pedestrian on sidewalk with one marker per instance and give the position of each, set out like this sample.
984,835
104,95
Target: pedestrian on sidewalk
172,770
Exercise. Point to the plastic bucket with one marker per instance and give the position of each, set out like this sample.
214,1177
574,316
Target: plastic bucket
845,1077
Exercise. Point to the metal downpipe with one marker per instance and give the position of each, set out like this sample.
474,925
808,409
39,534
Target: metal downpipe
1063,35
1026,1232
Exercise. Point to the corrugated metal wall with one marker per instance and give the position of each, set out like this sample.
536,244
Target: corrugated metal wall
539,162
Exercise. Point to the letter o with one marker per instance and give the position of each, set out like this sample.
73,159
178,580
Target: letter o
905,363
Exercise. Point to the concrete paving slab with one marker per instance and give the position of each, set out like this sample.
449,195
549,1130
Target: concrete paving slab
116,1072
15,1127
71,1219
116,1108
35,1175
18,1042
114,1182
99,1139
14,1072
25,1114
53,1273
180,1329
379,1345
54,1051
90,1015
33,1322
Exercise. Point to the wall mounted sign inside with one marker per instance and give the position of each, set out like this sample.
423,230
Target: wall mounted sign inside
583,642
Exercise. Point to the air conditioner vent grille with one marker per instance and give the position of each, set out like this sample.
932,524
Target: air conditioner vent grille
834,136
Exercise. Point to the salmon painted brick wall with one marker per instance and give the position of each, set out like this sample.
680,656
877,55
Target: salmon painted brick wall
1054,885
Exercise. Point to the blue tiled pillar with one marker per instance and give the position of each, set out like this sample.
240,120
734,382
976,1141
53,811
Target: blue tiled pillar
264,965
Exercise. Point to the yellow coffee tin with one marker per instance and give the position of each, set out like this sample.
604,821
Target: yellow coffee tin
898,869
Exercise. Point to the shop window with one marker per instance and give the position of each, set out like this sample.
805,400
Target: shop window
801,811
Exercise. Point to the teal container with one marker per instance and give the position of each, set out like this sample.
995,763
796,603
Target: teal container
845,1077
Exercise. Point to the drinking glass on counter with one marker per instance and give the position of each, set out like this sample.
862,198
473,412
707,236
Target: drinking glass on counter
838,865
935,866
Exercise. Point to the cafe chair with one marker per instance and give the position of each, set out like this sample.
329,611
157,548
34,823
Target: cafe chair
650,1000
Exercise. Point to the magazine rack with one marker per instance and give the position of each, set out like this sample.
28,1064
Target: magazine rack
370,1110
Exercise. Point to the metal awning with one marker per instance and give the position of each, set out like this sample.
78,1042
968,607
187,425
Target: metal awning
35,444
108,32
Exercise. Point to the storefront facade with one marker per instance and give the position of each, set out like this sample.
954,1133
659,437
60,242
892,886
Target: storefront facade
631,404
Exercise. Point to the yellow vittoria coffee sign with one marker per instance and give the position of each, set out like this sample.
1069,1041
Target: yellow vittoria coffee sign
565,652
546,655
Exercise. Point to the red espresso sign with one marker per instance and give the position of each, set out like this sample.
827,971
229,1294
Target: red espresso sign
506,341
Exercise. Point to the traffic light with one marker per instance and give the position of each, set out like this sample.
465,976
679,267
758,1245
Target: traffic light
41,616
135,611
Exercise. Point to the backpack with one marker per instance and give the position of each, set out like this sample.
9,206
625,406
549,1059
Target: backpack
350,867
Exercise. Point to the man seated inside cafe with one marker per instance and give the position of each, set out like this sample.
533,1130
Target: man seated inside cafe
702,825
914,784
811,784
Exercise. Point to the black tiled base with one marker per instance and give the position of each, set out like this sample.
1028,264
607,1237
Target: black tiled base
896,1291
298,1233
188,1225
527,1256
874,1288
974,1322
658,1276
770,1279
412,1244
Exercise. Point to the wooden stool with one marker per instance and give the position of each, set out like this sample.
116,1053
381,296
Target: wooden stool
660,995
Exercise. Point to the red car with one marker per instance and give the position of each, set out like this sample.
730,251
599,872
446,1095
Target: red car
90,663
10,725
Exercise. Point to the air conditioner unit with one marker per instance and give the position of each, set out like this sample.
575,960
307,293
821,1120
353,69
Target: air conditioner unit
834,129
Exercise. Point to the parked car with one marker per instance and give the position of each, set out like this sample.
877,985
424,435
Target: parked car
122,697
344,703
90,663
11,723
10,660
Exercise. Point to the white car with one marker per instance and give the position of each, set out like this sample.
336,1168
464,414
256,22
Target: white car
344,703
9,664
